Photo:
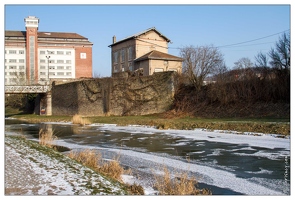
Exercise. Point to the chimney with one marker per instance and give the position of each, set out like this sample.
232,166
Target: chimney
114,39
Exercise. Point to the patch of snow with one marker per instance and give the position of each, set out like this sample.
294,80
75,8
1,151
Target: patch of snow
262,171
50,175
179,144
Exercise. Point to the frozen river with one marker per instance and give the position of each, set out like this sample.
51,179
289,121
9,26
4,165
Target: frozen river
226,163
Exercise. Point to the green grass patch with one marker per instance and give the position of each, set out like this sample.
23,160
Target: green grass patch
262,125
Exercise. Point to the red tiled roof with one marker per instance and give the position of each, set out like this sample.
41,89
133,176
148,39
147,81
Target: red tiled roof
157,55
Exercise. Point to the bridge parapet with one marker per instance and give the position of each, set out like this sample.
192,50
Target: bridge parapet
25,89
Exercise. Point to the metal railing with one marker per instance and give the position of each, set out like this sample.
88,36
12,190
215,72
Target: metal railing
25,89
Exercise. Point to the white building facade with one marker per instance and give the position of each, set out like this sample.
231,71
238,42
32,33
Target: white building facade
33,57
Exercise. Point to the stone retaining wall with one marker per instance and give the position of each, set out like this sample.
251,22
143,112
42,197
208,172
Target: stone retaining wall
115,96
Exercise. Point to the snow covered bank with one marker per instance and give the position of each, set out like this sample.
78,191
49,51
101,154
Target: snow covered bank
29,171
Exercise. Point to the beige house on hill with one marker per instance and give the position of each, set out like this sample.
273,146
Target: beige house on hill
147,50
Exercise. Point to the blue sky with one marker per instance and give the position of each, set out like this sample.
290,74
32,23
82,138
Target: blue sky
217,25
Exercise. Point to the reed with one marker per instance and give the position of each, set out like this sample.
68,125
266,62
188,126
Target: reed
87,157
113,169
47,138
78,119
181,184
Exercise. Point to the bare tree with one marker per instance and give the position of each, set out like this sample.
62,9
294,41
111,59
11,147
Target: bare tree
199,62
220,72
280,56
261,60
96,75
244,68
243,63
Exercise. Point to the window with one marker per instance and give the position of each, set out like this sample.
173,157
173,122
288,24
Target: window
42,61
115,68
60,67
42,67
130,56
60,61
68,52
69,73
123,55
60,52
21,60
12,51
50,52
116,57
130,66
12,67
68,67
12,60
159,70
60,73
12,80
21,67
68,61
42,52
21,52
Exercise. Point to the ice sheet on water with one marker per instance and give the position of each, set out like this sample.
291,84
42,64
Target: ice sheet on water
179,144
262,171
273,184
267,141
210,174
197,152
216,152
272,156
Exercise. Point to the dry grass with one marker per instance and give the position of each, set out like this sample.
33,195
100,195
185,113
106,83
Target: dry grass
136,189
180,185
78,119
113,169
47,138
87,157
93,159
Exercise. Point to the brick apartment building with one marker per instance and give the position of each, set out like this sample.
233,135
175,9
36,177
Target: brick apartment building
147,50
33,57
